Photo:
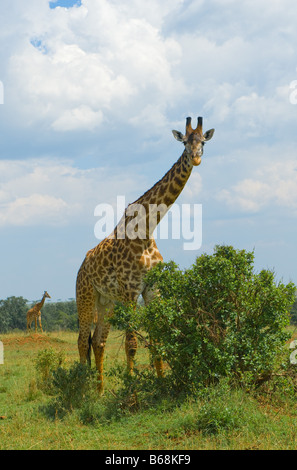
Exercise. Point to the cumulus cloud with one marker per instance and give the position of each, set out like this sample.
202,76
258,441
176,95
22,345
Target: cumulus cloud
193,189
82,117
271,185
33,210
76,67
98,63
52,192
105,65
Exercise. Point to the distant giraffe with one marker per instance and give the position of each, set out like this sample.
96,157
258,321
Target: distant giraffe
34,313
115,269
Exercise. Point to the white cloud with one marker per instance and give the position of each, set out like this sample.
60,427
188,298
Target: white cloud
33,210
79,118
107,62
99,58
129,72
51,192
193,189
271,185
248,195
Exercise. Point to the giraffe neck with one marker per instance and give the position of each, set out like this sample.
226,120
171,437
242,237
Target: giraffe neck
155,203
40,304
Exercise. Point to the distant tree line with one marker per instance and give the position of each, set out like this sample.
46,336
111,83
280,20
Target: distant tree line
54,316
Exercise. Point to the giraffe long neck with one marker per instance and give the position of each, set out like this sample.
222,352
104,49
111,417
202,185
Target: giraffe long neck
155,203
40,304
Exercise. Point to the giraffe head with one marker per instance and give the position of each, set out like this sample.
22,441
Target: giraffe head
194,140
46,295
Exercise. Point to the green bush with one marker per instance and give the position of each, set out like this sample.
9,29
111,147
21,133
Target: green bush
136,392
74,388
215,319
13,314
294,312
47,361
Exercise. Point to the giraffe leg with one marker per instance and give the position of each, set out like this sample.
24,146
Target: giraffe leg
83,342
131,348
158,363
35,319
39,320
104,309
85,301
98,345
148,294
131,339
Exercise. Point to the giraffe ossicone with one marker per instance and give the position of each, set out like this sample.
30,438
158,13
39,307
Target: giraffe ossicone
115,269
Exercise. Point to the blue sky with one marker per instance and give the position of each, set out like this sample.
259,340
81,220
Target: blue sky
92,90
64,3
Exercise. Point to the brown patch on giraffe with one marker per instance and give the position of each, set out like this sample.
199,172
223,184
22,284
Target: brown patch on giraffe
157,256
167,201
173,190
105,262
178,181
166,178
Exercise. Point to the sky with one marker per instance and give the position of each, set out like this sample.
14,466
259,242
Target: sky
90,91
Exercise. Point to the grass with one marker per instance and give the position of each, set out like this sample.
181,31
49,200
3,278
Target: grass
220,418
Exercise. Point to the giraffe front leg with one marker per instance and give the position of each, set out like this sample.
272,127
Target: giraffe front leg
85,302
98,345
130,348
35,319
39,318
84,340
159,366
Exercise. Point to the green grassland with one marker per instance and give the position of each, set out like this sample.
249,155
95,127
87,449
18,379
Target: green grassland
237,419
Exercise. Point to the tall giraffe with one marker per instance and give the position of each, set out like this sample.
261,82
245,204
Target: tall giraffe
115,269
35,314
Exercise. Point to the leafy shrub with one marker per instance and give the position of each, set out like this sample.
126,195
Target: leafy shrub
75,388
215,319
48,360
13,312
135,392
294,312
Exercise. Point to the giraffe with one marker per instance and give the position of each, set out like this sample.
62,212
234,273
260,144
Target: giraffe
115,269
34,313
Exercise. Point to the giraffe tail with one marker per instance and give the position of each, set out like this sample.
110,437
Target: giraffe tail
89,350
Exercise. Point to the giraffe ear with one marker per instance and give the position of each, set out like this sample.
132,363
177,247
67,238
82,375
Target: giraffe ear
179,136
208,134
